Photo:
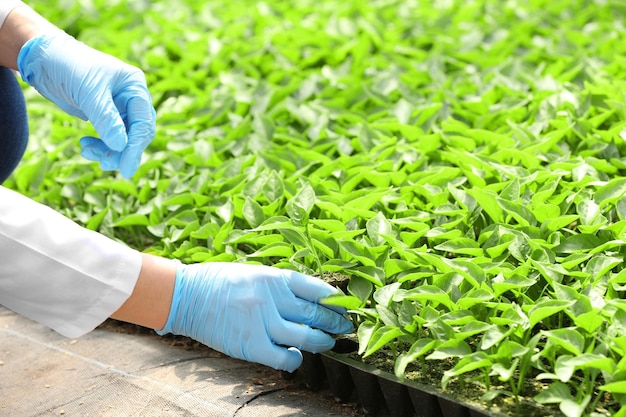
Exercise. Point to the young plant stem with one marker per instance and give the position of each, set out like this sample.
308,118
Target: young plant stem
596,399
514,389
487,379
313,250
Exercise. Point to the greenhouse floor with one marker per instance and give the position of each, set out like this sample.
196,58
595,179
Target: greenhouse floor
124,370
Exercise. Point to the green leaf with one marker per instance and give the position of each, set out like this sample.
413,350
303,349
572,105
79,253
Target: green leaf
359,252
471,329
494,335
518,211
568,338
387,316
349,302
305,198
450,349
488,201
471,362
226,211
330,225
617,387
364,202
566,365
589,321
294,236
253,213
360,288
132,220
95,221
578,243
418,349
429,293
463,246
515,282
545,212
205,231
273,189
178,235
611,192
556,393
184,199
298,215
382,337
386,294
373,274
279,249
378,227
574,408
558,223
364,333
121,187
546,308
474,297
505,373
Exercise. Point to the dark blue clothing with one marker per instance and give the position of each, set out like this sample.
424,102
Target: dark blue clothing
13,123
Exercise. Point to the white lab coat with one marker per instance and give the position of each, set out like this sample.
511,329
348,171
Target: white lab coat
58,273
6,7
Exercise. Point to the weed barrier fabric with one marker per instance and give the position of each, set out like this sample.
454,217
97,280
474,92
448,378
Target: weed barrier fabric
380,393
123,370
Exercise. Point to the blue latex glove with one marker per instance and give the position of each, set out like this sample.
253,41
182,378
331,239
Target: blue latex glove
255,313
97,87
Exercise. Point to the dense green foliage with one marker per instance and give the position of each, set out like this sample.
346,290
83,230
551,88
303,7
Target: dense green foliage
461,161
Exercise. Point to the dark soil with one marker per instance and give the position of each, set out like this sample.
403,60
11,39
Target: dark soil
337,280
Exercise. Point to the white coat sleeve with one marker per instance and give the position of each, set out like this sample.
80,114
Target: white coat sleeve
6,7
58,273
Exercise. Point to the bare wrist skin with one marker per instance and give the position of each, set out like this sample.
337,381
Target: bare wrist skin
149,304
20,26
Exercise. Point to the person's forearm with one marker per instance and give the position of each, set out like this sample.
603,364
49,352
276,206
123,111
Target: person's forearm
21,25
149,304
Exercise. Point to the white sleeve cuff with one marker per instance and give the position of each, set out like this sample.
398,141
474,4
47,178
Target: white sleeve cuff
58,273
6,7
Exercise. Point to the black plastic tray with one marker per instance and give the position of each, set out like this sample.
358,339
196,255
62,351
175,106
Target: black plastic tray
380,393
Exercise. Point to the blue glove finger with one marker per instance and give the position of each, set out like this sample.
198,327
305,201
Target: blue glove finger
135,106
140,133
130,160
300,336
94,149
307,287
107,120
311,289
277,357
314,315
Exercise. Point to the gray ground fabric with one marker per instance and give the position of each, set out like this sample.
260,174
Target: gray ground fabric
117,373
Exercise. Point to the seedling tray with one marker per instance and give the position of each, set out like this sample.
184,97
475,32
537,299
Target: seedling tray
380,393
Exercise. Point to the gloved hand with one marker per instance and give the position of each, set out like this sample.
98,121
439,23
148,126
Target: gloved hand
93,86
256,313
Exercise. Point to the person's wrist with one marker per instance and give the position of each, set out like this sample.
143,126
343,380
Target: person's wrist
169,325
149,304
21,25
